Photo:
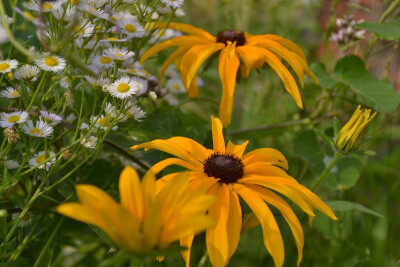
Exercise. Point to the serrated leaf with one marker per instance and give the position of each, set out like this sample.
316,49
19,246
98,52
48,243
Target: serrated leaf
386,31
379,95
342,205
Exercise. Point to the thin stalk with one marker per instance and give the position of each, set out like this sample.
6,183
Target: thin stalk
36,92
327,170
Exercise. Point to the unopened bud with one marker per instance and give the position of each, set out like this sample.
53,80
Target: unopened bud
153,96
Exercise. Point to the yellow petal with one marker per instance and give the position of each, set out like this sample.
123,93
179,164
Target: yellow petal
272,236
268,155
227,72
237,150
217,237
186,28
187,242
218,137
81,213
95,198
262,168
176,41
234,222
131,194
252,58
173,161
287,213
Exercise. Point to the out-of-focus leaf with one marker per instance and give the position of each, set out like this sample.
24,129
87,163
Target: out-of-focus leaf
307,147
345,174
341,205
386,31
323,78
379,95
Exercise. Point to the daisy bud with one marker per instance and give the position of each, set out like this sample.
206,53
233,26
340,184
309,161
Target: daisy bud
350,136
12,137
153,96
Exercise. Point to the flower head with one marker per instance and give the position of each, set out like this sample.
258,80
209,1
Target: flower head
118,54
195,48
351,135
148,217
252,176
8,65
123,87
27,72
9,119
40,157
10,92
50,63
40,129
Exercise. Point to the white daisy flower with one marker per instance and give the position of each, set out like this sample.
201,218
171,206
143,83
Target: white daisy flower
93,3
146,74
89,142
10,92
25,221
3,35
84,29
102,122
11,164
131,28
28,16
91,45
70,118
69,14
65,82
171,72
54,118
112,40
95,12
110,110
175,85
27,73
118,54
123,88
103,61
50,63
40,129
136,113
46,6
39,158
142,85
9,119
8,65
123,15
97,81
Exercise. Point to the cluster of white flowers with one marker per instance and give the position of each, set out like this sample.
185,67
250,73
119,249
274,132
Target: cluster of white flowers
345,31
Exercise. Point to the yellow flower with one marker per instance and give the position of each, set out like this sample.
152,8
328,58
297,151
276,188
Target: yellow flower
230,174
196,48
351,135
146,218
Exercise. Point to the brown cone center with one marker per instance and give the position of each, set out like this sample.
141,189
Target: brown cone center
227,168
232,36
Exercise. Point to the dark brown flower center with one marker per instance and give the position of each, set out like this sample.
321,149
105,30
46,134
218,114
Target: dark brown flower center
228,168
232,36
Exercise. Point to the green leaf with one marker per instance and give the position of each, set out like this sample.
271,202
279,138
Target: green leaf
336,126
345,175
341,205
379,95
323,78
386,31
307,146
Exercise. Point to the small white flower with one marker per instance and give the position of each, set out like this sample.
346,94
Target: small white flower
123,88
93,3
165,10
8,65
65,82
84,29
102,122
69,14
54,118
10,92
110,110
50,63
109,41
95,12
171,72
173,3
142,85
11,164
9,119
27,73
70,118
39,158
175,85
25,221
97,81
136,113
45,7
164,34
103,61
40,129
118,54
131,28
89,142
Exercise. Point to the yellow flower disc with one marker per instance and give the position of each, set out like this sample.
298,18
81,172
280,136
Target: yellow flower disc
14,118
67,79
79,30
47,7
122,87
105,60
15,93
130,28
36,131
102,122
51,61
40,159
4,66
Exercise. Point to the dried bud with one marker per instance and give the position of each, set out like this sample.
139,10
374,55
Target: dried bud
67,154
12,137
69,98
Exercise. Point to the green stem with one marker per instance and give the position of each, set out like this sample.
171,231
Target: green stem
327,170
36,92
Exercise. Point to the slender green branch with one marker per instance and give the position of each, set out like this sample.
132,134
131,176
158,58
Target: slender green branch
327,170
143,165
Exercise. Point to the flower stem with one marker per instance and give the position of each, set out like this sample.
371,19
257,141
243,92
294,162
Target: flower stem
327,170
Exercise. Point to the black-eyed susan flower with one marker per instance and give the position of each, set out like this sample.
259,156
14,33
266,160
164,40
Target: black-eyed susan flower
229,174
147,218
350,136
195,48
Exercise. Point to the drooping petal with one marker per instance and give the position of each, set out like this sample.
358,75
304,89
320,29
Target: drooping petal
237,150
189,29
95,198
187,242
218,137
173,161
227,68
252,59
217,237
176,41
174,56
287,213
268,155
81,213
272,236
181,147
131,194
234,222
263,168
